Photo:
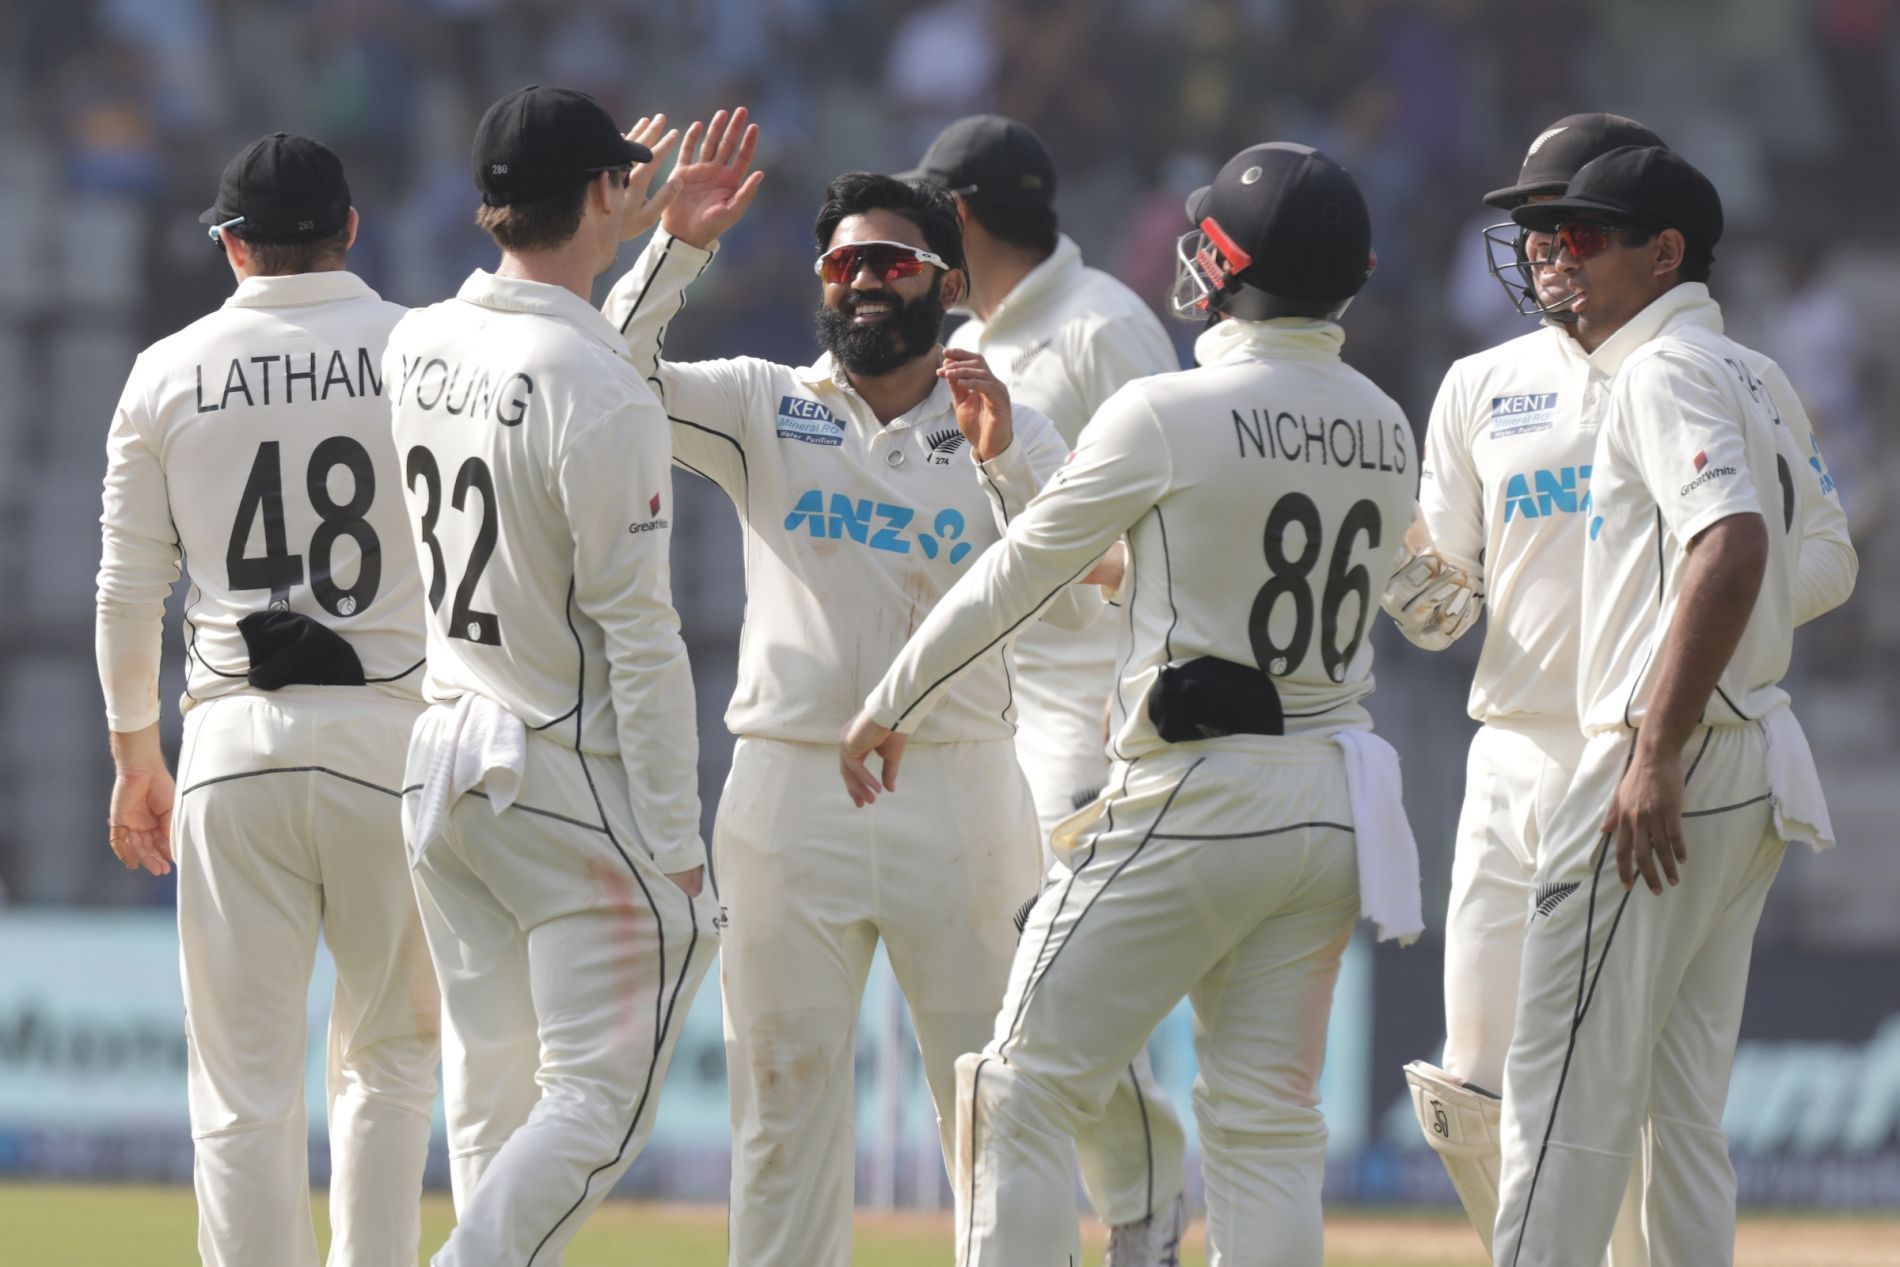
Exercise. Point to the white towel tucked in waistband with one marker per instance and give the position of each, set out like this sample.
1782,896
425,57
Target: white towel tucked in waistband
457,746
1794,785
1388,855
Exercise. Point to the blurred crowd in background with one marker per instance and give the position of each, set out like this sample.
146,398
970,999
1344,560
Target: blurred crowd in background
117,115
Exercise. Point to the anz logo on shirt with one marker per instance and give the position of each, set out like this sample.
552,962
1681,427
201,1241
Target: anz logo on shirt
878,525
1542,494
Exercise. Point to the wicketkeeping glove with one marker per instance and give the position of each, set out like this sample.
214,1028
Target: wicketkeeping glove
1432,601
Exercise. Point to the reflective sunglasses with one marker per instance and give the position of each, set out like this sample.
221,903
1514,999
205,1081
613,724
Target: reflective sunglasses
887,261
1585,238
217,230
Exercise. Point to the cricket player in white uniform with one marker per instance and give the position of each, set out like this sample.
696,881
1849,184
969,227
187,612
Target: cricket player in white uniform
865,483
255,443
1505,498
552,804
1250,813
1695,773
1064,337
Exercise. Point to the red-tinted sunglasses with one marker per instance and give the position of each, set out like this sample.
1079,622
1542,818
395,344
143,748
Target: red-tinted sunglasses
1584,238
887,261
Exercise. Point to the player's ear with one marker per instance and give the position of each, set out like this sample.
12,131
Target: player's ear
349,239
1669,248
955,283
600,192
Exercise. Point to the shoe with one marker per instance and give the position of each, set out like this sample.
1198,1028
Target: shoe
1153,1242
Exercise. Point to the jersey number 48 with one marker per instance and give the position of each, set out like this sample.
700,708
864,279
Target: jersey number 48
280,571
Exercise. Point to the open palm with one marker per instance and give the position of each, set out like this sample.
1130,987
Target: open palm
714,179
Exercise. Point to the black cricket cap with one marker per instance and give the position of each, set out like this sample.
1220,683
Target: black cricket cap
1004,160
1561,149
539,142
1298,214
1647,186
286,189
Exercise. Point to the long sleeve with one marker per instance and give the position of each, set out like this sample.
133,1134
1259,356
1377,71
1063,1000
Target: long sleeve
703,404
1451,492
1012,479
1118,473
138,565
622,581
1827,565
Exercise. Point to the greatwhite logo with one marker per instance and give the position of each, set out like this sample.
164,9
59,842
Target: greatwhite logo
1538,144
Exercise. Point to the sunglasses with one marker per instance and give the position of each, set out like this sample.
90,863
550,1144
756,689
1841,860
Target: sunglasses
217,230
887,261
1585,238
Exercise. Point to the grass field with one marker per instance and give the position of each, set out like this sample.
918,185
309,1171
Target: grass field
105,1226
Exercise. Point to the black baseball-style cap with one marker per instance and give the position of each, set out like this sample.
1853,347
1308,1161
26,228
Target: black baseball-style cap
989,158
282,188
539,142
1563,148
1647,186
1298,216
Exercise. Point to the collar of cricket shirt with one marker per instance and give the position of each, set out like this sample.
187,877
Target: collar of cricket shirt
1283,338
1686,303
1050,279
825,373
299,288
514,294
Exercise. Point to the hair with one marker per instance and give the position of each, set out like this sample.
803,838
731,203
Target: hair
924,205
541,225
1029,224
282,259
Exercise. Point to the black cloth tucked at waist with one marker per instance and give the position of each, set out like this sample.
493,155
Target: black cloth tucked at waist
290,649
1208,698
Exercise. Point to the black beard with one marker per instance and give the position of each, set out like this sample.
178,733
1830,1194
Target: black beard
870,351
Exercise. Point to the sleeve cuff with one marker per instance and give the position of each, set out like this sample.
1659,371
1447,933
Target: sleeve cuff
124,723
682,857
687,252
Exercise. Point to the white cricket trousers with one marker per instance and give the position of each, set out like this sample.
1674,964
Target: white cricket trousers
938,870
1221,870
288,821
1516,775
1629,1004
567,961
1132,1157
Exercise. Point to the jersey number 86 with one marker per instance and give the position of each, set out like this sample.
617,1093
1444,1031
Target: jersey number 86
1290,580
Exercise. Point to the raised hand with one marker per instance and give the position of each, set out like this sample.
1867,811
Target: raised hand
981,400
645,205
714,187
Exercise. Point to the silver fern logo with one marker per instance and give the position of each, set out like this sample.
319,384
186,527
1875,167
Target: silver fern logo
1551,896
943,443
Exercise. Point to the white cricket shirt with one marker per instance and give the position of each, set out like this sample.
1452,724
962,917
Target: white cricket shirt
1506,495
853,530
1064,339
1261,494
255,444
1689,440
537,471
